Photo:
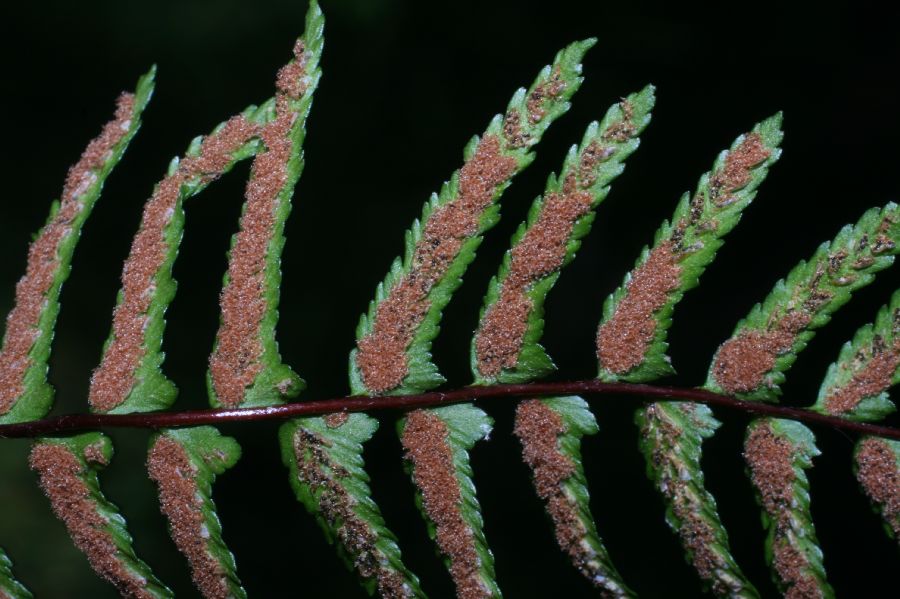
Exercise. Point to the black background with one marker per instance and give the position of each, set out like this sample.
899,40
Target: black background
405,85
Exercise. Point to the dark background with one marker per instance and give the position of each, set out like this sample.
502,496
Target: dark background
405,86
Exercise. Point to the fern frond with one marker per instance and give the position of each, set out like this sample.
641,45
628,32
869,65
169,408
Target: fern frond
68,470
326,470
671,439
25,393
9,586
393,353
751,364
245,368
631,338
506,347
777,453
550,431
877,467
184,464
856,385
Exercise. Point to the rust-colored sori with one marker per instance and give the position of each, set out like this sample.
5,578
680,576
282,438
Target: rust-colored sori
771,461
873,378
425,439
697,535
539,427
61,478
235,363
880,477
623,340
113,380
338,508
236,360
381,356
170,467
43,260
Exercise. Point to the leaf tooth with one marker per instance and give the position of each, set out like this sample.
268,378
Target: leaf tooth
9,586
631,338
777,453
394,341
765,344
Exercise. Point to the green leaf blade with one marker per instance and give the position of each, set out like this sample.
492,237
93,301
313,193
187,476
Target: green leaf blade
506,346
393,353
184,463
26,394
326,470
437,444
764,345
672,434
68,469
550,431
9,586
245,368
777,453
631,338
856,385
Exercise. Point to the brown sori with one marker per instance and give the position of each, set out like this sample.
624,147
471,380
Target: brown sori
880,477
338,508
236,360
170,467
43,261
771,462
426,441
60,471
381,356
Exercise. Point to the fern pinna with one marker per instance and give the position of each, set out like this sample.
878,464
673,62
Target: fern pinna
322,442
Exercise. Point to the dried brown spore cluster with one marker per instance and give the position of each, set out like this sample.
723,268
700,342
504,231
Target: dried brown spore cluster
873,378
512,130
61,473
743,362
623,129
43,261
236,360
539,427
544,91
381,356
735,173
113,379
696,534
539,253
879,476
336,420
425,439
170,467
622,341
771,461
337,508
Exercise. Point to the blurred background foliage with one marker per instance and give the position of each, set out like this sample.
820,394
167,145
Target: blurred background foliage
406,84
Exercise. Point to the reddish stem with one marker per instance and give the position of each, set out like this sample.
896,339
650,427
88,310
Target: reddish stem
71,423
